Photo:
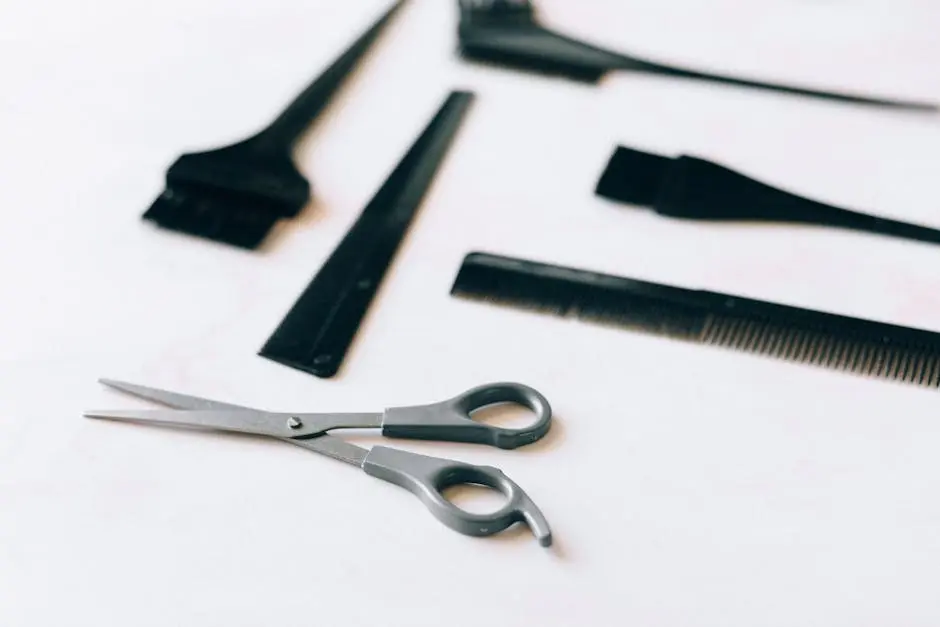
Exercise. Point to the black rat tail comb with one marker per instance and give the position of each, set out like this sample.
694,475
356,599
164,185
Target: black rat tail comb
506,32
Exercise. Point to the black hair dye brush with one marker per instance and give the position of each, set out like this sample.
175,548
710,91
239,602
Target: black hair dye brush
691,188
237,193
507,32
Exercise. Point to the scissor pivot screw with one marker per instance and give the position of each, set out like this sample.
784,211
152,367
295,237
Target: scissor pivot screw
294,422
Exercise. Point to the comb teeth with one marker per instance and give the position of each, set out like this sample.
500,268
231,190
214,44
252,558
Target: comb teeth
853,345
908,364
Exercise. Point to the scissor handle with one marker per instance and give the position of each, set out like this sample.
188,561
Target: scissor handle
426,477
451,420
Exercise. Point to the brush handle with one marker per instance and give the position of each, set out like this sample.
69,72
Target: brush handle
701,189
629,63
287,128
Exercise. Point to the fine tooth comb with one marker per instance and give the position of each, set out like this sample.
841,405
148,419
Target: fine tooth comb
236,194
507,32
863,347
317,332
688,187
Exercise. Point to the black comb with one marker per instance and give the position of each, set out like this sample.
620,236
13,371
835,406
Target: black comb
236,194
507,32
697,189
862,347
317,332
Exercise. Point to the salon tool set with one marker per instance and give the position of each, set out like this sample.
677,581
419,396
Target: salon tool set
236,195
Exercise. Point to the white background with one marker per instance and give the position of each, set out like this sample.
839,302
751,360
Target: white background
686,486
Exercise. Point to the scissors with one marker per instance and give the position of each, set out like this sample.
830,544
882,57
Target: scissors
422,475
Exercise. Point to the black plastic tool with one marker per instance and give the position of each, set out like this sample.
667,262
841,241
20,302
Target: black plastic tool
862,347
236,194
692,188
316,334
507,32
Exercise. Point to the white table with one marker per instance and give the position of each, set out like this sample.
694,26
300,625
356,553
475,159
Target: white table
686,486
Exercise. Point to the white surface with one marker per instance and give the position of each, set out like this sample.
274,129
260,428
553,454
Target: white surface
685,486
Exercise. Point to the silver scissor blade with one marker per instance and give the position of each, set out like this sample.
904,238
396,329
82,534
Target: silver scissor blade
335,448
241,421
171,399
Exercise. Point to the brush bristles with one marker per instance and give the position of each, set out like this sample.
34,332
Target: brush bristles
228,220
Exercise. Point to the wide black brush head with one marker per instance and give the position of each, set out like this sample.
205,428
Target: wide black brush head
212,214
233,195
633,177
245,169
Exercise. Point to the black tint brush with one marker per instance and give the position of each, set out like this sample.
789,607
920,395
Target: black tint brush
508,33
862,347
236,194
692,188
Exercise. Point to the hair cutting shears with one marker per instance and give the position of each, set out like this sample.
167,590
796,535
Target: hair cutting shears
422,475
